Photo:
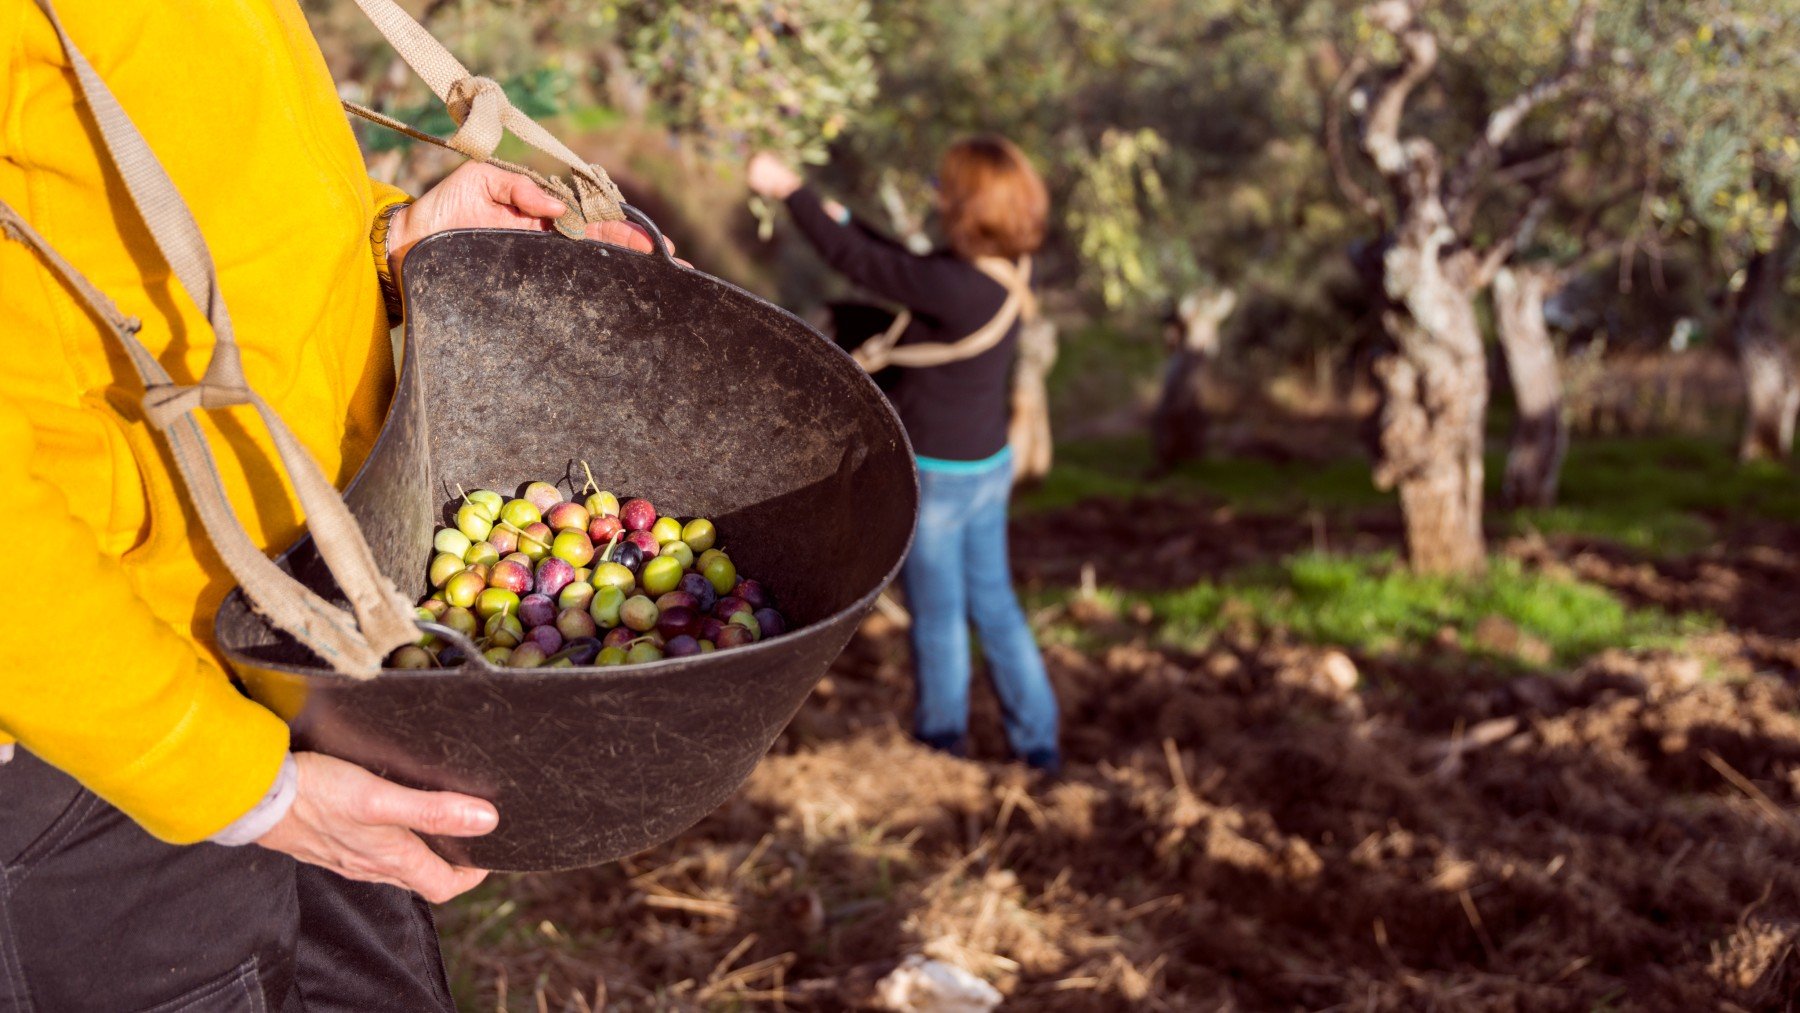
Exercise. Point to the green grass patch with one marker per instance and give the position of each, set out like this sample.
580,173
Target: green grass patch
1115,468
1664,496
1375,605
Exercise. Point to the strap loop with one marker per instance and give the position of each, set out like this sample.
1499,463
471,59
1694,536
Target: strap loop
885,350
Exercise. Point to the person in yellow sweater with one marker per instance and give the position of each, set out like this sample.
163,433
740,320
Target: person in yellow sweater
159,844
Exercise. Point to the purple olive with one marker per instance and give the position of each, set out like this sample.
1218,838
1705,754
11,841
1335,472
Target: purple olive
702,590
682,646
709,629
581,651
679,621
547,637
728,607
628,555
537,610
771,621
754,593
553,574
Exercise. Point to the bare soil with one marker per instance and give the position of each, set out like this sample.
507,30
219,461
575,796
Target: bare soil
1240,829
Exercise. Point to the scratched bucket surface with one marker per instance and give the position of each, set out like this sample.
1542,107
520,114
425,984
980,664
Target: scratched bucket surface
526,352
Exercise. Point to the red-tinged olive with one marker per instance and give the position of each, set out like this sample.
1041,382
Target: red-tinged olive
734,636
528,655
567,517
728,607
513,576
709,628
637,514
620,638
553,574
436,606
505,540
542,495
604,528
678,622
646,543
677,598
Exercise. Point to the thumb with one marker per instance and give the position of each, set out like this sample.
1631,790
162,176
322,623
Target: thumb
532,199
433,812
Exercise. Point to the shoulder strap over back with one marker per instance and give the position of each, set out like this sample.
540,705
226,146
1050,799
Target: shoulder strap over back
885,349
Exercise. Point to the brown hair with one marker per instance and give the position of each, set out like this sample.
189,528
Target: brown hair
993,202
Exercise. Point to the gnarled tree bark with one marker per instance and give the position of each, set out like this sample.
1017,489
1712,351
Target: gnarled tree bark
1771,389
1178,425
1435,382
1540,436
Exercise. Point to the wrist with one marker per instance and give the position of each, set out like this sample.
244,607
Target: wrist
266,814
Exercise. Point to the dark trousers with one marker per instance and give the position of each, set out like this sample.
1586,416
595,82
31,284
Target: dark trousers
95,914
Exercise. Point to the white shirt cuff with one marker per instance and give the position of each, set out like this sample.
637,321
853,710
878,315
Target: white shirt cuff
263,816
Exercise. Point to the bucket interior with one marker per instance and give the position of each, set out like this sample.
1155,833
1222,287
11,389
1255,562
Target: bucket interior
528,354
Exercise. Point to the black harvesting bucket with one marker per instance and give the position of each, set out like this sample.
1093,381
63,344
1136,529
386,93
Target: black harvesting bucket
527,352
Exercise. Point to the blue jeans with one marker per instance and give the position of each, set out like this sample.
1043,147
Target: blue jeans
958,572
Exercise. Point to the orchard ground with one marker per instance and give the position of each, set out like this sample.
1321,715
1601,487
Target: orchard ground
1299,778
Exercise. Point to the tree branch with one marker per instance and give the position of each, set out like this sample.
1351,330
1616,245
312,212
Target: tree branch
1381,138
1503,122
1352,190
1519,235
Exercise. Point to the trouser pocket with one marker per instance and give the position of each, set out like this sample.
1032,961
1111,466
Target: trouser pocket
238,990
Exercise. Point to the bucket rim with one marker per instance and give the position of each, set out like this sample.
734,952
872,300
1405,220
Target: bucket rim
408,363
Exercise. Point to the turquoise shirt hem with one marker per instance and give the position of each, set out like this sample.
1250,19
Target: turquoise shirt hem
943,467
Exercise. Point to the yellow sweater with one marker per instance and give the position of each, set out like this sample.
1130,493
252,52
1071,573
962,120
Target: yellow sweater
108,672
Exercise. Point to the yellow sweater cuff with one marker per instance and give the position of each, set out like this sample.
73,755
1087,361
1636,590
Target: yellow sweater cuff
216,763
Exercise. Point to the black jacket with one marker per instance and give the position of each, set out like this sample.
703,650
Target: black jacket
954,412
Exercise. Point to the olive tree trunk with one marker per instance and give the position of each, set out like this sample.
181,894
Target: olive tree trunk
1540,436
1435,388
1771,389
1178,425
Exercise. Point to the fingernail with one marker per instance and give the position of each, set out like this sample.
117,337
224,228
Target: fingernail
480,820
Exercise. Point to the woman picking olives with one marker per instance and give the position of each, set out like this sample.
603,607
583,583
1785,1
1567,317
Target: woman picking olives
954,345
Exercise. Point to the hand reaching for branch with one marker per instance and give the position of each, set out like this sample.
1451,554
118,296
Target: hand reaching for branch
770,177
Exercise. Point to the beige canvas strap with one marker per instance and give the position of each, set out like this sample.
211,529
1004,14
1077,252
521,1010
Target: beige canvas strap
384,616
484,114
885,350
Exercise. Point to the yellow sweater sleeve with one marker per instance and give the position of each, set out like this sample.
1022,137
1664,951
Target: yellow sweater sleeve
109,693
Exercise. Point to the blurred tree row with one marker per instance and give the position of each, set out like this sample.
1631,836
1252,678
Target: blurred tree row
1392,179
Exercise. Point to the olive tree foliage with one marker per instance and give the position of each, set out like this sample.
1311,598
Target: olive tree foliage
1722,98
722,76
